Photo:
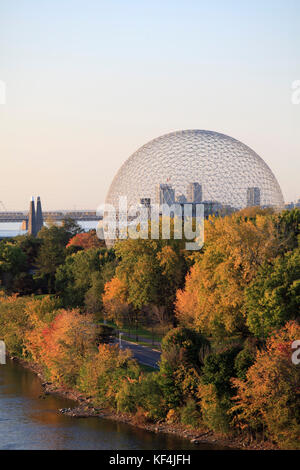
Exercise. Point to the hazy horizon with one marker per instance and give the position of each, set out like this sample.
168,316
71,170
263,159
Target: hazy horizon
88,83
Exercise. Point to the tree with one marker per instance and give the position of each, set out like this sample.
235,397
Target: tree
13,323
273,297
51,253
12,263
62,345
86,240
71,227
287,225
152,271
181,361
138,268
268,401
218,370
115,305
12,258
102,376
235,248
80,280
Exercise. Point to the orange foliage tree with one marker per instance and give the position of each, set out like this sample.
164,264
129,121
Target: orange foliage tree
114,301
62,345
86,240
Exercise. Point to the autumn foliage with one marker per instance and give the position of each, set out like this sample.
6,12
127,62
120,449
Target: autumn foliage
235,248
231,312
62,344
269,399
86,240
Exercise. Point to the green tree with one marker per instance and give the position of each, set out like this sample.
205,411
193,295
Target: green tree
182,356
12,263
287,225
81,279
218,370
273,297
152,270
51,254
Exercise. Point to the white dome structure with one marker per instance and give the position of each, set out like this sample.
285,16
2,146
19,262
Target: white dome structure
222,170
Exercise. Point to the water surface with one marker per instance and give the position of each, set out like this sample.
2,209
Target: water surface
28,421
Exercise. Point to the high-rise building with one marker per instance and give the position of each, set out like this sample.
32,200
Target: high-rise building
181,199
165,194
253,197
145,201
194,193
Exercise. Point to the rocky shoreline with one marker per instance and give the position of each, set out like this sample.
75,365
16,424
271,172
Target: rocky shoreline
85,409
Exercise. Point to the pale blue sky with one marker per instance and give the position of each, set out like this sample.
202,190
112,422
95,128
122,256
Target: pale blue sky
88,82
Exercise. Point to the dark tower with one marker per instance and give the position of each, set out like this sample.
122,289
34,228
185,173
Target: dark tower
39,215
31,219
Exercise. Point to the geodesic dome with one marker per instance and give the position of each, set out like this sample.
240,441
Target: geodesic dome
224,167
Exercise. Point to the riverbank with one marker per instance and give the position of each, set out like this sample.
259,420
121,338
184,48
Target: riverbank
84,408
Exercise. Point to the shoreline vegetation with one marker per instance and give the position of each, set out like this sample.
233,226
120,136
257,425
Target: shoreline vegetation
228,316
85,409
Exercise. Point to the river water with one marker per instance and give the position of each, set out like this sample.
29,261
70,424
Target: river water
12,229
29,421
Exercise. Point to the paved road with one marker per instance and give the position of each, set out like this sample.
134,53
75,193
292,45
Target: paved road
144,355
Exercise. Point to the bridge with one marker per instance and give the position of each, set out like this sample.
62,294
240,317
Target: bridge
56,216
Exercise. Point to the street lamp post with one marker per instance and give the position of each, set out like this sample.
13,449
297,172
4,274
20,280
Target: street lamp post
120,339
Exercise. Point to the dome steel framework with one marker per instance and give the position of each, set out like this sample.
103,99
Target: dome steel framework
225,168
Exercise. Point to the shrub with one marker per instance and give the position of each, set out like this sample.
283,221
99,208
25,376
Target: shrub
243,361
173,416
180,364
187,344
102,374
126,397
150,396
189,414
214,410
13,323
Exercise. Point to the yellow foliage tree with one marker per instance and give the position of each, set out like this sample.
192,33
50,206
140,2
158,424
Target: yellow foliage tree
235,247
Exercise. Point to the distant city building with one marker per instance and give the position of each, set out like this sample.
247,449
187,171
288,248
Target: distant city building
181,199
165,194
194,193
253,197
145,201
292,205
